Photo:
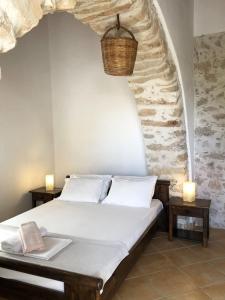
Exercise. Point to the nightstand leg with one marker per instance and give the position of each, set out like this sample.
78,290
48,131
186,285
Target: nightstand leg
174,222
171,222
208,228
205,228
33,203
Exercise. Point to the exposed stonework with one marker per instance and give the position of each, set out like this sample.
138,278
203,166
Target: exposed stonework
154,82
210,122
16,19
50,6
156,79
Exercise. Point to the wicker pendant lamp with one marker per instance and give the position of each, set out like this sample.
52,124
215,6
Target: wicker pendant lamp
119,52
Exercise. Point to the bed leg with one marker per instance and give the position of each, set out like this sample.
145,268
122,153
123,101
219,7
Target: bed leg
69,293
80,292
163,220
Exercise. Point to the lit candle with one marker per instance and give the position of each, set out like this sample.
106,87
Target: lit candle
49,182
189,191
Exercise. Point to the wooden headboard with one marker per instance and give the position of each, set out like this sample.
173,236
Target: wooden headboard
162,191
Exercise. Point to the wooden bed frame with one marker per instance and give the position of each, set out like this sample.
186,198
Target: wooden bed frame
77,286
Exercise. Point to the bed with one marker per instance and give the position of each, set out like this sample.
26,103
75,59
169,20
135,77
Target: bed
133,227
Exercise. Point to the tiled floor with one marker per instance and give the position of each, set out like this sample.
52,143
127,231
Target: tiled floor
178,270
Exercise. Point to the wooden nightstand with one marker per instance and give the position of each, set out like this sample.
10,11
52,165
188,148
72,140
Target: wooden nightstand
199,209
44,196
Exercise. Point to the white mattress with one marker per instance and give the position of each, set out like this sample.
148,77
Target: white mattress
85,220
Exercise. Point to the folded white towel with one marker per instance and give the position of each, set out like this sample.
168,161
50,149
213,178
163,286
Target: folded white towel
14,243
31,237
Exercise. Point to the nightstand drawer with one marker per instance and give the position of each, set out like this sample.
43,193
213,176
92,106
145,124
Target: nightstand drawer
42,197
187,211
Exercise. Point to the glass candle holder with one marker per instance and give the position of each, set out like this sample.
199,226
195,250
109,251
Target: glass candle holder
189,191
49,182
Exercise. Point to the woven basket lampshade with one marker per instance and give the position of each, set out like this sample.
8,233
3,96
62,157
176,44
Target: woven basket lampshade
119,53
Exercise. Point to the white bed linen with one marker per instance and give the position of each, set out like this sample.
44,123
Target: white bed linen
88,221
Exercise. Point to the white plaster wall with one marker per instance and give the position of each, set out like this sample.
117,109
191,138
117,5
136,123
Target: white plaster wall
26,147
177,20
209,16
96,127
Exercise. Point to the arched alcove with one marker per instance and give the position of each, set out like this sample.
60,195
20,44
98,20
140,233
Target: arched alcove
155,83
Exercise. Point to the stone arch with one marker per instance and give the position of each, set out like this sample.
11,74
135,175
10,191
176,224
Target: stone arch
154,83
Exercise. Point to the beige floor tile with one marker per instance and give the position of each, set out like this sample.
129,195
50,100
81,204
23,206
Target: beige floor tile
204,274
218,264
215,292
216,234
148,264
171,282
182,257
195,295
138,289
135,272
150,248
162,244
221,243
116,297
213,251
190,243
172,272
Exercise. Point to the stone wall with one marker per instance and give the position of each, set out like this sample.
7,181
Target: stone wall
209,75
154,82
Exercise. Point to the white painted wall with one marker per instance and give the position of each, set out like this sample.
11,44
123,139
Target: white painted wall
26,147
209,16
96,127
177,20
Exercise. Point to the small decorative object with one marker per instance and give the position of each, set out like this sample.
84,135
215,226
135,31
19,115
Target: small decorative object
189,191
49,182
119,52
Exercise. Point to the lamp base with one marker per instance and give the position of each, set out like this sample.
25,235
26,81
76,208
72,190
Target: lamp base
189,200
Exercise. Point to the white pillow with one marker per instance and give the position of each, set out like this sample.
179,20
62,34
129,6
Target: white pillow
131,191
82,190
106,182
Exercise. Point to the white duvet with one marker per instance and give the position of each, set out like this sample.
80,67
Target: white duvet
107,224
